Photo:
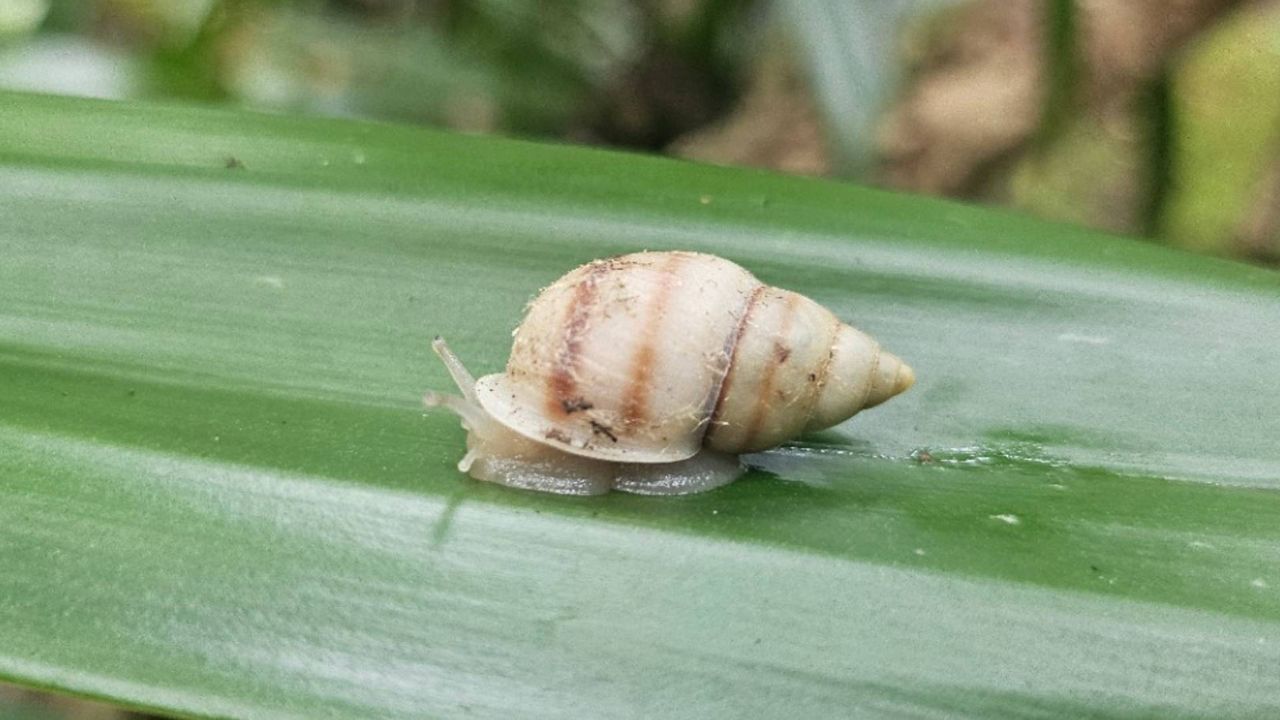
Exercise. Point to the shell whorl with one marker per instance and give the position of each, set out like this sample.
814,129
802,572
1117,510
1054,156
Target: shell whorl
797,367
647,357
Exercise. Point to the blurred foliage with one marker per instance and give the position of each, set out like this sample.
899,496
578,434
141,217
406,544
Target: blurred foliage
1132,117
1227,96
18,17
615,71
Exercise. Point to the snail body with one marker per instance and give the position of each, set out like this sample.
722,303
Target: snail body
653,372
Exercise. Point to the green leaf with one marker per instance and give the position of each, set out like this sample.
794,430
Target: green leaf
219,495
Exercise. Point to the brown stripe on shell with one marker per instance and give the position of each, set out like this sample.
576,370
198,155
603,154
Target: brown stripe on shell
765,395
635,399
716,400
871,383
822,374
562,388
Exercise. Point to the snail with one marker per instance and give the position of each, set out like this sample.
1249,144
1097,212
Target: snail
653,372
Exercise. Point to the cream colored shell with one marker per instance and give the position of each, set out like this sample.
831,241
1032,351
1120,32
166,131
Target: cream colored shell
647,358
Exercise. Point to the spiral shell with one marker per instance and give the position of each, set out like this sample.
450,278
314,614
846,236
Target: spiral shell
650,357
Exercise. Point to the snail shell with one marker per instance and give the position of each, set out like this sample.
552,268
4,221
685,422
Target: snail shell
670,364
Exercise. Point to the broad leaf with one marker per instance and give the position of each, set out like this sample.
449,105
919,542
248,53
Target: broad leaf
219,495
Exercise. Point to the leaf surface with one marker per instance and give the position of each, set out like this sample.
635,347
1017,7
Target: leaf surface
219,495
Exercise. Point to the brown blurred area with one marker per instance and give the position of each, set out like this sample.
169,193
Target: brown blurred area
25,704
978,91
969,120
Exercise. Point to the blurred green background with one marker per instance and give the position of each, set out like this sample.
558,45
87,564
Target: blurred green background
1144,118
